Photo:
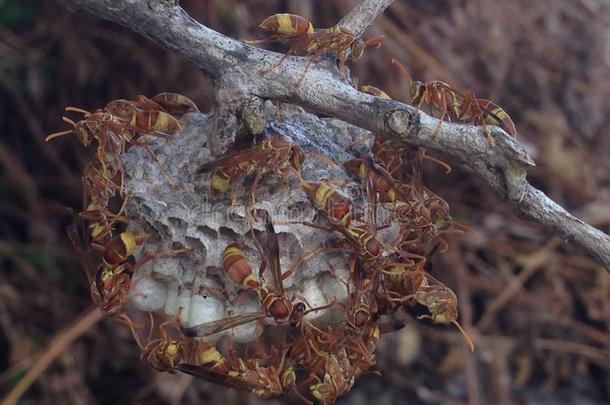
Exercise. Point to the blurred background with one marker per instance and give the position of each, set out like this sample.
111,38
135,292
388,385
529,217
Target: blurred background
538,309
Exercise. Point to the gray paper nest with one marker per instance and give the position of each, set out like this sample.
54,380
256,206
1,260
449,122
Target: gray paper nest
194,285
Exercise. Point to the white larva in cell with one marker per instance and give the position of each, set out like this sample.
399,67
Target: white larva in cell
148,294
205,309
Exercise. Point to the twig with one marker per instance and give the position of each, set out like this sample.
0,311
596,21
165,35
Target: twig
58,345
532,264
363,15
455,259
416,52
235,69
599,356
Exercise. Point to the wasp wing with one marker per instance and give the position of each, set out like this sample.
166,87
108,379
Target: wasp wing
219,378
273,253
74,235
213,327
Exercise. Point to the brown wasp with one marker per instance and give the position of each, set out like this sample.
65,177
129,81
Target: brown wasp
391,154
117,124
411,283
116,127
429,213
165,352
362,307
400,281
304,40
270,380
455,106
109,297
98,190
485,111
274,301
111,281
337,210
274,153
249,375
113,277
380,179
338,376
441,301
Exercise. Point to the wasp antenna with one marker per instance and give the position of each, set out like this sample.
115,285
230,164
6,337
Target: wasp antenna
403,70
443,243
464,228
439,162
68,120
374,42
255,41
57,135
465,334
78,110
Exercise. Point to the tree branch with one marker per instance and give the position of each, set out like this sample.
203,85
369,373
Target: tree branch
235,69
363,15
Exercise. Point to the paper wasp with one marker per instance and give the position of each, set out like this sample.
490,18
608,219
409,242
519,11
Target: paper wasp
274,153
337,209
111,297
248,375
487,112
380,178
413,206
334,357
112,279
455,106
274,301
391,154
362,307
208,357
98,191
304,40
121,121
400,281
116,125
338,379
409,283
363,348
441,302
165,352
271,381
238,268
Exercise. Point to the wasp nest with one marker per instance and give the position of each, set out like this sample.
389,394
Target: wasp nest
297,242
184,214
